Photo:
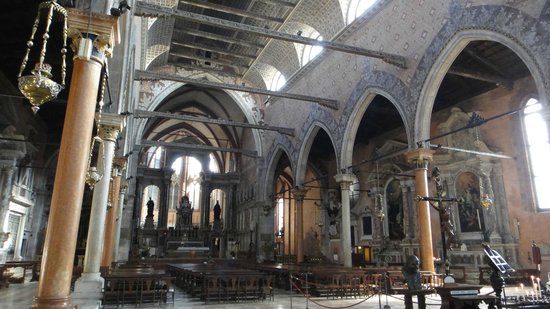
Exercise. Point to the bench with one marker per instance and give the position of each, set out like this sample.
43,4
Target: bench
472,301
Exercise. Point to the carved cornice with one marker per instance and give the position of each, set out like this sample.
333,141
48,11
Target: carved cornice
103,27
110,125
120,162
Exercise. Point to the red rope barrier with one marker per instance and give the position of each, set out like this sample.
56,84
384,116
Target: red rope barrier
324,306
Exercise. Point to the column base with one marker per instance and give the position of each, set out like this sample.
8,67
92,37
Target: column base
88,291
52,303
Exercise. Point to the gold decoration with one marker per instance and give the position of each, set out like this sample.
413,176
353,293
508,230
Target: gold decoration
39,87
486,202
92,177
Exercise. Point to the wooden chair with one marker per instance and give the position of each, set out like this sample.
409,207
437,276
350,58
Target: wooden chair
335,287
231,288
130,291
165,288
148,290
112,291
212,289
250,287
266,288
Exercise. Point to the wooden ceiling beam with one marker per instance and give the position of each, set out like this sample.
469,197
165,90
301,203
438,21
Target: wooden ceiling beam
486,62
148,114
279,2
145,75
221,38
195,147
484,76
215,61
151,10
232,10
214,50
208,69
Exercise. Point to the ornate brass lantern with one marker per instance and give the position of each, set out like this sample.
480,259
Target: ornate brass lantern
39,87
92,175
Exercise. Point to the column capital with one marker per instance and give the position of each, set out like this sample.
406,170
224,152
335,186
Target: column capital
120,162
110,125
420,156
345,180
103,28
299,193
265,206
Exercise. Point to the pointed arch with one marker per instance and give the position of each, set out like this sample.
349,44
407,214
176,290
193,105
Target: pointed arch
446,58
355,119
309,138
162,90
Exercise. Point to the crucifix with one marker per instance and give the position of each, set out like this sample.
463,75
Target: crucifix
439,203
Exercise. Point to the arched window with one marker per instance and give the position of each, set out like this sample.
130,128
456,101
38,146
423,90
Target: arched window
311,51
538,145
356,8
277,82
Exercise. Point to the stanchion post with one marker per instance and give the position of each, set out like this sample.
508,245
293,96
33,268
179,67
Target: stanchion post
307,291
290,281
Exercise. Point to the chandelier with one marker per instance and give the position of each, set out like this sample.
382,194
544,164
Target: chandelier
39,87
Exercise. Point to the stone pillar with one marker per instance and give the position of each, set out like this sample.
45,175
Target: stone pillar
116,242
162,223
110,222
88,287
422,158
60,243
345,181
205,205
299,194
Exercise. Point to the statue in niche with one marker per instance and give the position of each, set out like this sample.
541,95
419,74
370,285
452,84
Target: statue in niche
150,208
333,210
185,212
217,211
469,211
394,198
217,224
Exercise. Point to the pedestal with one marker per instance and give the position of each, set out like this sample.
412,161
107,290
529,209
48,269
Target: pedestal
88,291
3,255
149,223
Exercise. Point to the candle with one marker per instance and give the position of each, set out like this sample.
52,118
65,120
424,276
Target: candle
521,286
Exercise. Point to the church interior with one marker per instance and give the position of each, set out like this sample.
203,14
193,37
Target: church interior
269,139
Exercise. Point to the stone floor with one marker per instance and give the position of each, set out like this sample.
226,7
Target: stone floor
21,296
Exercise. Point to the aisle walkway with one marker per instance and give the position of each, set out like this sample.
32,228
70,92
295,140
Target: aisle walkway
20,296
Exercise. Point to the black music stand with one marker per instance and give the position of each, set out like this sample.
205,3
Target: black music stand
499,267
